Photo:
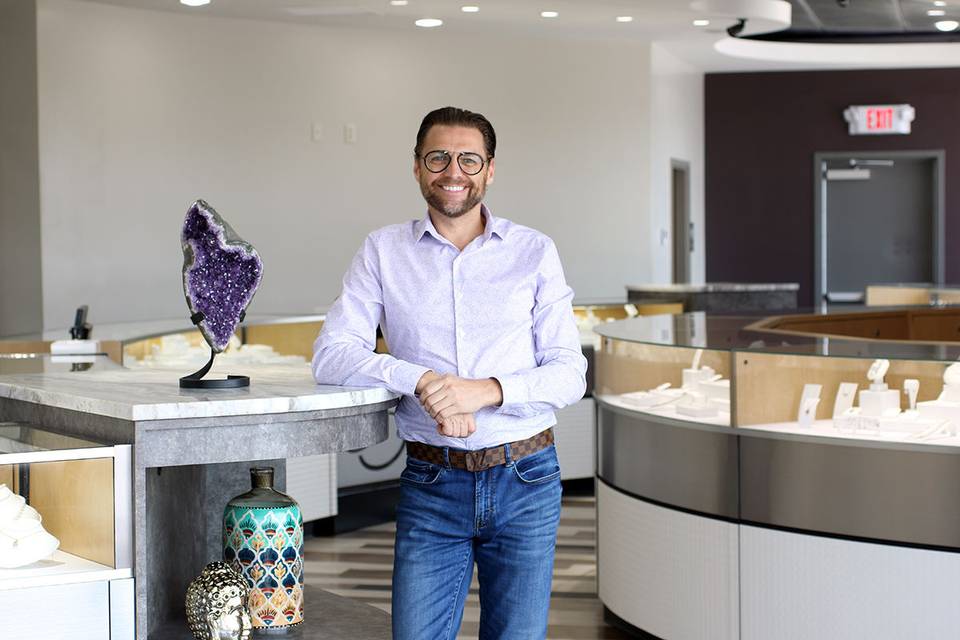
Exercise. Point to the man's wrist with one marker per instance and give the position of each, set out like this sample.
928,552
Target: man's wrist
495,392
424,380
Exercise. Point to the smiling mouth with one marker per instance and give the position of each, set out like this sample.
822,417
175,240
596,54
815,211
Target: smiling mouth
453,188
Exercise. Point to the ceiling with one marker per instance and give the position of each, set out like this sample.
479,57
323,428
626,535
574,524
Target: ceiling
583,18
867,21
668,22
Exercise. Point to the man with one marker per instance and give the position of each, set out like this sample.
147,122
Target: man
483,347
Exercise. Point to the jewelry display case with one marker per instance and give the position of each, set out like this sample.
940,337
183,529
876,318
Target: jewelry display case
781,485
66,536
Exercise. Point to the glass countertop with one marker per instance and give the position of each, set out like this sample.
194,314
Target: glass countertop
17,363
21,438
725,332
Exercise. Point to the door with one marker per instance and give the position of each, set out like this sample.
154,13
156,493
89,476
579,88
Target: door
682,226
879,223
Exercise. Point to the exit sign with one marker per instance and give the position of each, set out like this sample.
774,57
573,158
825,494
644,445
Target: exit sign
879,119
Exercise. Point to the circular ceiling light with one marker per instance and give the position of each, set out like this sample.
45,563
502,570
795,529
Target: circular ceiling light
398,3
194,3
701,23
934,13
428,23
624,18
939,3
470,9
549,14
947,25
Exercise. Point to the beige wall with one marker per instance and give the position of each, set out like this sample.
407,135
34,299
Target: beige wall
21,300
141,112
676,108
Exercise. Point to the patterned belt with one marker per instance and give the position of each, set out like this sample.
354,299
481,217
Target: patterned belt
481,458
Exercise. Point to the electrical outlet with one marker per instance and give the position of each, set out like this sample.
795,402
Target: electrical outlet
350,133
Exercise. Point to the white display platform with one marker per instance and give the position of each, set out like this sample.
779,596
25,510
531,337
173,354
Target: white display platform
667,411
59,569
825,428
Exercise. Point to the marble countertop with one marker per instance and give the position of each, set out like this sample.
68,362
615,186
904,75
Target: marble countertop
715,287
154,394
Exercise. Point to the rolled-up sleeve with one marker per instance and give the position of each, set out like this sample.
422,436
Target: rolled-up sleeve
559,379
343,353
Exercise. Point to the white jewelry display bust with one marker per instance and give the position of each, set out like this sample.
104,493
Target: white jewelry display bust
23,540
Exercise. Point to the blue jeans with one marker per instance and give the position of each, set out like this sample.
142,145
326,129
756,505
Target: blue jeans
505,518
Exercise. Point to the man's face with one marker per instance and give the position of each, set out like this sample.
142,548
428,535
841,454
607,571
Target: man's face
453,192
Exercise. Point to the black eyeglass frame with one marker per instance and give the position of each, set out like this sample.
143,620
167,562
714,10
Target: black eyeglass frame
483,161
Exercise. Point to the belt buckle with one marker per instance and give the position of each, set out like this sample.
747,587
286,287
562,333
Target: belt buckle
475,460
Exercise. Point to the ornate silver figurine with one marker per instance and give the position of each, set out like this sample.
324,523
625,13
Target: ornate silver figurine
217,604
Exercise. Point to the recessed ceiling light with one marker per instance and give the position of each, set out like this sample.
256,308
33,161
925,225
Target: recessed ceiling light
194,3
398,3
935,13
428,22
470,9
701,23
947,25
549,14
624,18
939,3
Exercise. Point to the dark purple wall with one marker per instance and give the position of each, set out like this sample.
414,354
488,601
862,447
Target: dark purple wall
762,130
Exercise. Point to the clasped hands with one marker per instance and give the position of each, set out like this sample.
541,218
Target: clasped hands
452,401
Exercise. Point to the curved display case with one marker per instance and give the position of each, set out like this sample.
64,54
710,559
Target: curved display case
763,485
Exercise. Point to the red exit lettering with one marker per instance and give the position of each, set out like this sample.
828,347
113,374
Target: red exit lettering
879,119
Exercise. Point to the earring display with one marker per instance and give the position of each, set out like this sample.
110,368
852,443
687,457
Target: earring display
809,400
846,392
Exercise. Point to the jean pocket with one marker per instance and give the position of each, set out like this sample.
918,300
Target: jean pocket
539,467
420,472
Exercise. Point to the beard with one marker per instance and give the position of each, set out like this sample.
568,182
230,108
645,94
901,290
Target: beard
433,194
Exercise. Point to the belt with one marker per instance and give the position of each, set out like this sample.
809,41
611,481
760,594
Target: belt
481,458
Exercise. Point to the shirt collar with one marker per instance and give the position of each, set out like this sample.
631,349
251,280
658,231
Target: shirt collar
493,226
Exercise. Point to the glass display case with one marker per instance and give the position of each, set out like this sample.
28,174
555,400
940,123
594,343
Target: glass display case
730,457
66,536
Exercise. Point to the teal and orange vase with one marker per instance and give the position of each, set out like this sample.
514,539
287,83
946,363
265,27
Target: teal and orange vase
263,539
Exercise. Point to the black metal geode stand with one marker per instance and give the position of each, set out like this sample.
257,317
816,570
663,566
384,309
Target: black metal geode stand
195,380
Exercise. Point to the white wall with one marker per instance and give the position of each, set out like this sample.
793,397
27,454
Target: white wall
676,110
21,300
141,112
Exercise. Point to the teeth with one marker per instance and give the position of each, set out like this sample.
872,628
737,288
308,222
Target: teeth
453,188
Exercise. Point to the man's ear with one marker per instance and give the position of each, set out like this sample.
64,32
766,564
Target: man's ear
416,168
490,170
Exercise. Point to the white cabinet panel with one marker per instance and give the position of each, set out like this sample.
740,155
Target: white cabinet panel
576,442
669,573
74,611
312,482
797,587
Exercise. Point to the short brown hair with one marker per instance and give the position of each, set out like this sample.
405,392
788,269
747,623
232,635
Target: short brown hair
456,117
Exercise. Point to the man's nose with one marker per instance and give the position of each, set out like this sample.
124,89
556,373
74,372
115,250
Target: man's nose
453,169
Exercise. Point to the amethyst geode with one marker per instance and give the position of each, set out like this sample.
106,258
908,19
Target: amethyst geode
221,273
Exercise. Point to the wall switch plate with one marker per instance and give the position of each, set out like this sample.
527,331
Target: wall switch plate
316,132
350,133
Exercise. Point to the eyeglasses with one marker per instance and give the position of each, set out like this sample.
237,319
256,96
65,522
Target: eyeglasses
437,161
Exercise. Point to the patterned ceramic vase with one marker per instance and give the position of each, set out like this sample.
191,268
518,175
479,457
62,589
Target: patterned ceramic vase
263,539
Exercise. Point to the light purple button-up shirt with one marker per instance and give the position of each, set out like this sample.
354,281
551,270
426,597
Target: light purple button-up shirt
500,308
